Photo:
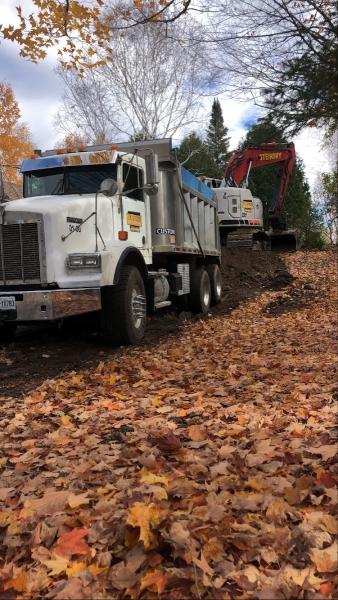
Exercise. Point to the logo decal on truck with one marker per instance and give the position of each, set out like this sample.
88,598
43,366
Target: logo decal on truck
165,231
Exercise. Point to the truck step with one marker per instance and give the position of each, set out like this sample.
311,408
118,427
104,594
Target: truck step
163,304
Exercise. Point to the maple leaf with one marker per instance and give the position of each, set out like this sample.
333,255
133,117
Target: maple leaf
71,543
326,560
147,518
155,581
152,478
167,442
74,501
76,567
56,565
197,433
19,583
5,518
51,502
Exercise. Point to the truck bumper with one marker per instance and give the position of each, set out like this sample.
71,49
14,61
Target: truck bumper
50,305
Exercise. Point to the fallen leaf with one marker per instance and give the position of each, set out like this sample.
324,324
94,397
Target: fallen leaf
75,567
152,478
73,590
50,503
147,518
326,589
179,534
74,501
71,543
122,577
197,433
56,565
168,442
300,576
202,564
5,518
155,581
326,560
19,583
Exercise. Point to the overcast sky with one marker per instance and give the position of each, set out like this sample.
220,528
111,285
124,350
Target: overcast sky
39,93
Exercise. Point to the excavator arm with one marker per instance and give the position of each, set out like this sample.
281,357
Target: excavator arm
242,161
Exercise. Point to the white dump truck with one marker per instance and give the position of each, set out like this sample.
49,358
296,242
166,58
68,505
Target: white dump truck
122,230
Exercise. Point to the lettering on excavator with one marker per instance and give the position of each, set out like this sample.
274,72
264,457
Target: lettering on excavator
270,156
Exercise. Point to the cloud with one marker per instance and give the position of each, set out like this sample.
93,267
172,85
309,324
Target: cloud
37,89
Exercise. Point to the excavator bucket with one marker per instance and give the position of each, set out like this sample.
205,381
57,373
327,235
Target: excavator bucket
284,240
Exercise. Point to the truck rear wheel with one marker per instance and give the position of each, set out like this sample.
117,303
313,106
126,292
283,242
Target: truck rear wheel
124,309
7,332
215,276
200,291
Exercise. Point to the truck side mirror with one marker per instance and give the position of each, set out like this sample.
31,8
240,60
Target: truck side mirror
108,187
152,174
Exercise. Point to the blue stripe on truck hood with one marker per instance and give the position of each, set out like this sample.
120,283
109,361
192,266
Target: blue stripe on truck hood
196,185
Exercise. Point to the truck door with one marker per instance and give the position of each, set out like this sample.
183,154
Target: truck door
134,205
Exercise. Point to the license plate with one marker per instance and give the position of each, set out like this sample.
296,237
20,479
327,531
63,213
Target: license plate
7,303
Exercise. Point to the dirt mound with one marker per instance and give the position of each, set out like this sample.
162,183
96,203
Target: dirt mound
246,272
242,267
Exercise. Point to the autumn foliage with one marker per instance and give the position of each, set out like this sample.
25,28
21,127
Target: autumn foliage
15,139
81,29
200,467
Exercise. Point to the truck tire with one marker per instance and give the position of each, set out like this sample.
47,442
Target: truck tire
215,276
200,291
7,332
124,309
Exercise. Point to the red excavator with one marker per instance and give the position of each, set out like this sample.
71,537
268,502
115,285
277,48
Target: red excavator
236,175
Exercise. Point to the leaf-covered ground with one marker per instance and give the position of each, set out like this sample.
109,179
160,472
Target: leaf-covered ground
202,467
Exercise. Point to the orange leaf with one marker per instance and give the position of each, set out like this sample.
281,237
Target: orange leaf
71,543
197,433
146,517
155,581
76,567
18,583
326,589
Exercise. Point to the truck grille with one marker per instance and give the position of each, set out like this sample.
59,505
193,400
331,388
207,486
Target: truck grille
19,253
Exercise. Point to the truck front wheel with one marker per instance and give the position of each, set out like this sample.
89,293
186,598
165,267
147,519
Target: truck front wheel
124,309
7,332
200,291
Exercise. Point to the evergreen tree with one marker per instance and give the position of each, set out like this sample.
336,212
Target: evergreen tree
217,140
306,91
195,155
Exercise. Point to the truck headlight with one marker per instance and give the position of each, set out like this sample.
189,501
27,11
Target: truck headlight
84,261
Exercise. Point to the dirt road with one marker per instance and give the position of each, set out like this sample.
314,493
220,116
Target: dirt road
200,465
38,354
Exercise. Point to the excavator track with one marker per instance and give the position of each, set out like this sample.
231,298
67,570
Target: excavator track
246,239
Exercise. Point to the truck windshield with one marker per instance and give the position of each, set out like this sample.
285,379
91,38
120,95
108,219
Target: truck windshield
69,180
